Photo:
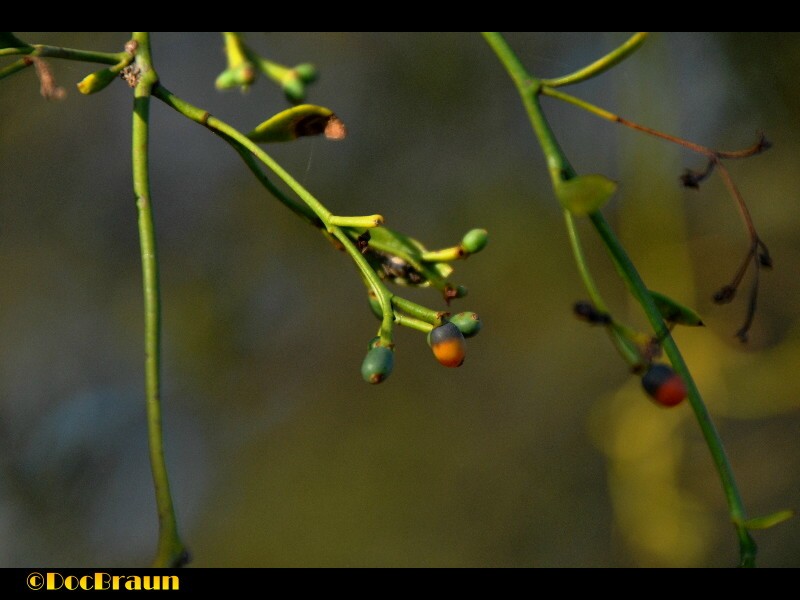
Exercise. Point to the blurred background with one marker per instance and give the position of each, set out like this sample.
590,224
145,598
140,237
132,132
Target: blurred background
541,450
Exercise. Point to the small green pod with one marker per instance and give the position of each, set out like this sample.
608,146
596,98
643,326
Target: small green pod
585,194
468,323
377,365
98,80
242,75
306,72
474,240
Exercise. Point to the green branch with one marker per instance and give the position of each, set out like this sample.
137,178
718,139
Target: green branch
241,143
601,65
16,66
560,169
171,551
44,51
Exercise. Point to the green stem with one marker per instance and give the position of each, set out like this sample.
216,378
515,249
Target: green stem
559,165
418,311
171,551
106,58
240,142
601,65
620,335
17,65
528,88
276,72
413,323
637,288
583,266
198,115
300,209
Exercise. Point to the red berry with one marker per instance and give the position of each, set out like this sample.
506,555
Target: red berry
664,385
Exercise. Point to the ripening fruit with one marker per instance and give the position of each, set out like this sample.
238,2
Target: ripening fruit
378,364
468,323
664,385
448,345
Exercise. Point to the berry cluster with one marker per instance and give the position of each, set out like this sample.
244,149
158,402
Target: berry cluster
401,260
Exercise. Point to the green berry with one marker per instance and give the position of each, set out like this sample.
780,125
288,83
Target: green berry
306,72
468,323
378,364
474,240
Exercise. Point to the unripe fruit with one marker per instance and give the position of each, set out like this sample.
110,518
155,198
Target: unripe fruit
448,345
468,323
474,240
377,365
97,81
664,385
306,72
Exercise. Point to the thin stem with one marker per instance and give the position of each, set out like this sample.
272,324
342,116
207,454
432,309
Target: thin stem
636,286
601,65
239,141
583,266
300,209
412,323
529,88
760,145
555,159
418,311
693,179
171,551
618,333
740,203
16,66
381,291
106,58
204,118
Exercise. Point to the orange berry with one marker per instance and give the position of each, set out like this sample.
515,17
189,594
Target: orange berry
448,345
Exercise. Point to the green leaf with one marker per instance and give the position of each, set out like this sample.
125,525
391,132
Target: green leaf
585,194
674,312
769,520
299,121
